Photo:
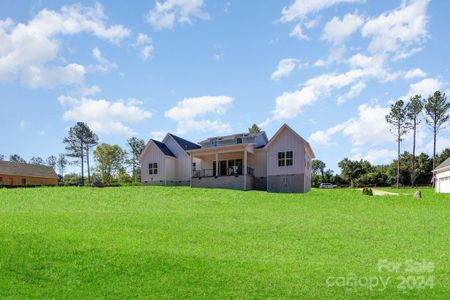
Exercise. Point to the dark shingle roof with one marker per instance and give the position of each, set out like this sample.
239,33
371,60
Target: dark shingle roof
29,170
445,163
164,148
185,144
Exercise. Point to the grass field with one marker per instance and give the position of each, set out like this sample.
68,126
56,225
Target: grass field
155,242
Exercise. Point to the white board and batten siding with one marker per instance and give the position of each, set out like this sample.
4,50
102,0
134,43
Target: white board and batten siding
286,141
153,155
443,182
258,161
182,167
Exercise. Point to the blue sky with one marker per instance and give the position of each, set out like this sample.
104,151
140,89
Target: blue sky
328,68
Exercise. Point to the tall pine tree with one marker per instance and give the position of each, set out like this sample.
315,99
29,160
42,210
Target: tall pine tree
400,125
436,109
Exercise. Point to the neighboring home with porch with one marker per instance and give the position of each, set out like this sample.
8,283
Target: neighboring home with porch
442,177
243,161
21,174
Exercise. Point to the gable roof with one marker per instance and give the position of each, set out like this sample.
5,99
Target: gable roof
164,149
29,170
184,144
286,127
444,164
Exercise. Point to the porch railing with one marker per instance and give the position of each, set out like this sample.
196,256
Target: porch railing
203,173
250,171
210,173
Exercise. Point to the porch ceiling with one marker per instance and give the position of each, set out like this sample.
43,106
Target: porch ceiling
223,149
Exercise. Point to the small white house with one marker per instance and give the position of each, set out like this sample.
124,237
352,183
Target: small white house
242,161
442,177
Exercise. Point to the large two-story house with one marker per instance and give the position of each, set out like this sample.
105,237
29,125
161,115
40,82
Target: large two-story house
243,161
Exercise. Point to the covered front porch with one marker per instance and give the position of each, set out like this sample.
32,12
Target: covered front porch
223,167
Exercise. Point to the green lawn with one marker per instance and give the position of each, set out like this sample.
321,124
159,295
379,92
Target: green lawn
154,242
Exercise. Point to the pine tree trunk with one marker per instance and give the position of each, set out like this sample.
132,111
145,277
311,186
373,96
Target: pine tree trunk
434,146
82,164
87,162
413,171
134,169
398,158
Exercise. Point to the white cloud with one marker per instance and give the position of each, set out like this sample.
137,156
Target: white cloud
87,90
369,127
218,56
158,135
284,68
415,73
312,23
103,116
49,77
407,53
297,32
425,87
144,42
323,137
24,124
299,9
169,12
104,65
290,104
354,91
194,114
336,31
442,143
377,156
26,49
397,30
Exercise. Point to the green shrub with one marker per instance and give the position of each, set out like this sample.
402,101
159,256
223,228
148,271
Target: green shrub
367,191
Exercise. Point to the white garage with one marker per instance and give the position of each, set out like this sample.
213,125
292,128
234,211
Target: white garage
442,177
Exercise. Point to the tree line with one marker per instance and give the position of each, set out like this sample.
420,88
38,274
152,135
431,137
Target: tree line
404,117
408,168
113,163
359,173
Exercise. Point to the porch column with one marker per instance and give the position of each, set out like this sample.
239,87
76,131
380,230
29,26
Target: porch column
245,169
192,171
217,164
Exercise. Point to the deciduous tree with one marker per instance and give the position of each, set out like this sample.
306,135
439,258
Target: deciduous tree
51,161
110,159
17,158
36,160
136,147
61,163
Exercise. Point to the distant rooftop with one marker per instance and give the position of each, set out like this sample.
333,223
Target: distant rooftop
29,170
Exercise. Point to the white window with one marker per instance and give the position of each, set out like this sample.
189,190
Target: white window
285,158
153,168
289,158
281,159
194,166
238,140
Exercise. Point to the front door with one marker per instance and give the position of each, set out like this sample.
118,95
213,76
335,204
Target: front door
223,168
